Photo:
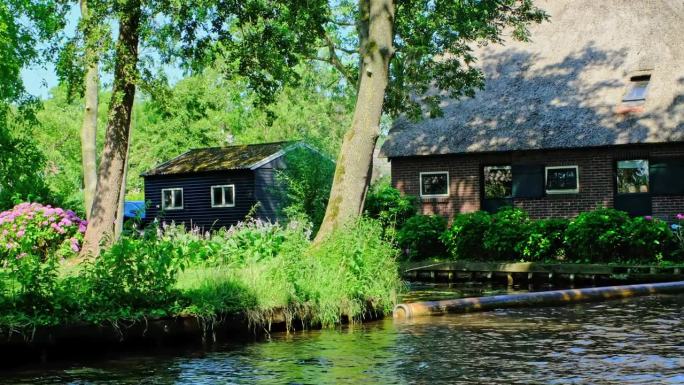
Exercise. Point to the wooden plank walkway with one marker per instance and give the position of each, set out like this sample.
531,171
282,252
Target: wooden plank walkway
534,271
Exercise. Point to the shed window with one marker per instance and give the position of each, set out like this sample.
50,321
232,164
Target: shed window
632,176
498,182
172,199
562,180
434,184
637,88
223,196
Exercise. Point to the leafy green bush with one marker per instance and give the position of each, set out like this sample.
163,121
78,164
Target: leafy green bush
386,204
596,236
465,238
544,240
678,237
647,239
133,273
419,236
306,183
507,228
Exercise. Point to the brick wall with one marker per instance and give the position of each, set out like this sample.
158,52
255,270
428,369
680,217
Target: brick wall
596,179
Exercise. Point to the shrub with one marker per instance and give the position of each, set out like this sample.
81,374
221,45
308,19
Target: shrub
253,240
419,236
386,204
133,273
465,238
351,272
646,239
43,231
596,236
507,228
306,183
678,233
544,240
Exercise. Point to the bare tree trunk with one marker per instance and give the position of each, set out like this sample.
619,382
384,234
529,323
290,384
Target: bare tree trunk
355,162
118,225
112,165
89,126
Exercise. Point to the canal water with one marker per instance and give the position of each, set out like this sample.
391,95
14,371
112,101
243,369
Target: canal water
633,341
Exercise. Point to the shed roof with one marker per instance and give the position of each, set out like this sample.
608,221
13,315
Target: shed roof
238,157
564,89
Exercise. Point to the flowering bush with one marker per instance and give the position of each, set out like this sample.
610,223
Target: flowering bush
678,232
647,238
41,231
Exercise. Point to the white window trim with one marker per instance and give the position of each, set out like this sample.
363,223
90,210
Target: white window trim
566,191
420,178
173,199
232,188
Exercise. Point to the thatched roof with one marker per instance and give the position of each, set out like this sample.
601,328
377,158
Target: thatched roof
564,89
240,157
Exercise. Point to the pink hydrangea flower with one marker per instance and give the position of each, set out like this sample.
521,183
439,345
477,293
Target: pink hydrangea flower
680,217
648,218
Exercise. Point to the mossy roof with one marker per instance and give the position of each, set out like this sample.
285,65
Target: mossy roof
238,157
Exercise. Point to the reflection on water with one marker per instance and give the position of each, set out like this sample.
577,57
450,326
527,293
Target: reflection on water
635,341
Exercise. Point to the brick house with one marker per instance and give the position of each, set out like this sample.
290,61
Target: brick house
589,113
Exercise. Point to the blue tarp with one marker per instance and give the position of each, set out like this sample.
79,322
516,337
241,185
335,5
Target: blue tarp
134,209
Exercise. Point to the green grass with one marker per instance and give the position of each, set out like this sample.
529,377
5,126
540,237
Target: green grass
257,273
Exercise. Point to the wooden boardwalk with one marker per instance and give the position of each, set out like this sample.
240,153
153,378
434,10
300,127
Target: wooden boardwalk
511,273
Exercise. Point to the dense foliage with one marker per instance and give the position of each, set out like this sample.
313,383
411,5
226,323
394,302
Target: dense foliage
599,236
389,206
544,240
254,268
507,228
203,110
304,185
419,236
465,238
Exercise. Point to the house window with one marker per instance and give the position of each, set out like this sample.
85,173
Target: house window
632,176
434,184
637,88
223,196
498,182
172,199
562,180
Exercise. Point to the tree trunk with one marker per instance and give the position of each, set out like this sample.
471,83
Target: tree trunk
112,165
355,162
118,225
89,126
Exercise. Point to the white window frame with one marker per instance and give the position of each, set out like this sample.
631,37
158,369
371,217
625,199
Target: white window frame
420,179
567,191
637,81
223,195
173,199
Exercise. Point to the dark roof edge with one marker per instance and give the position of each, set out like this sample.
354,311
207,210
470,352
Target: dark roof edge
474,153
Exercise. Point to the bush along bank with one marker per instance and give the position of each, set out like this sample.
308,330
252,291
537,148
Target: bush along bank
253,270
599,236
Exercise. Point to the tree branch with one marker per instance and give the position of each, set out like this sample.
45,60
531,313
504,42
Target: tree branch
335,61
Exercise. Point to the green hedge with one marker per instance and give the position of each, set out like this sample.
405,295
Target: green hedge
599,236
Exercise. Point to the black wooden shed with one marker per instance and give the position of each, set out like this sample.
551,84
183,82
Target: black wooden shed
217,187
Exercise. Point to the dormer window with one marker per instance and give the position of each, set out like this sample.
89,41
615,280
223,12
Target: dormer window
638,85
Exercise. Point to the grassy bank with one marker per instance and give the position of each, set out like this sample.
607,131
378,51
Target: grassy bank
254,269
